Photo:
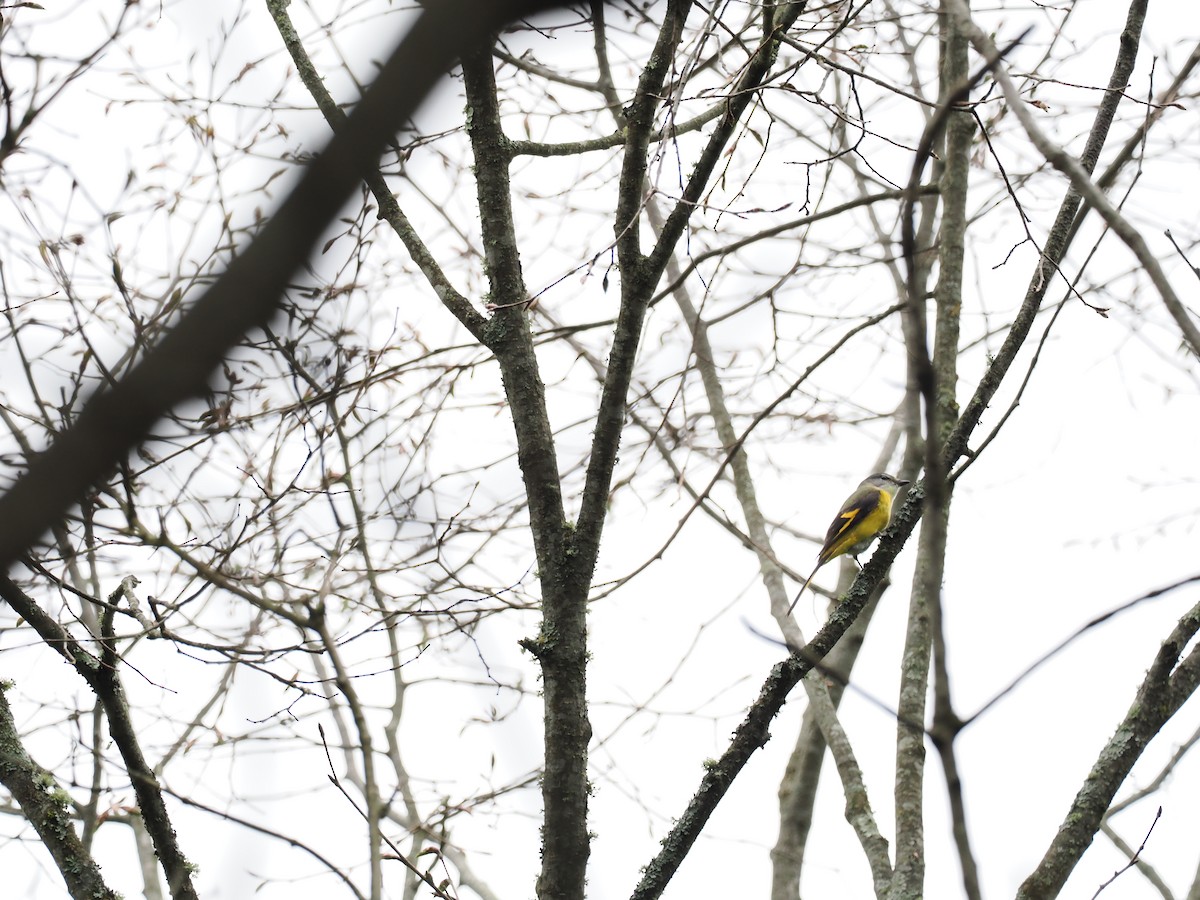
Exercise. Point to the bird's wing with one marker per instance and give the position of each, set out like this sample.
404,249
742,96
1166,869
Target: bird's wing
840,536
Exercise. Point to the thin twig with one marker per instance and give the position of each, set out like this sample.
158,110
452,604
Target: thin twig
1133,860
336,782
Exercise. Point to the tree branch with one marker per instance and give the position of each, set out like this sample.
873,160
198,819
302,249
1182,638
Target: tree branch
248,293
1057,241
1168,684
561,646
389,207
47,807
104,679
1079,175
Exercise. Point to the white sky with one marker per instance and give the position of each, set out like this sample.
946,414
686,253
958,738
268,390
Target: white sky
1087,499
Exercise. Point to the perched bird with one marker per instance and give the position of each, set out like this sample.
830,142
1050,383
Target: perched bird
864,514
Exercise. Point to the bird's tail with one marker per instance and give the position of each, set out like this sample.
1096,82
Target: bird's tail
803,586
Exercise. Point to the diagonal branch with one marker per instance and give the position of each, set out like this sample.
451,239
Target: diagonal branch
102,676
247,295
1168,684
754,730
858,806
389,207
1080,176
47,807
1057,242
637,285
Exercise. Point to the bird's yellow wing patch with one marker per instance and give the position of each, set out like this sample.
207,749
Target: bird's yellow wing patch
860,519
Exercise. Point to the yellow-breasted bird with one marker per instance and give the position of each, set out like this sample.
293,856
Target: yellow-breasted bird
864,514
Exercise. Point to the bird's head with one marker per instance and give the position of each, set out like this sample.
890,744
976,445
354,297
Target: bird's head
884,482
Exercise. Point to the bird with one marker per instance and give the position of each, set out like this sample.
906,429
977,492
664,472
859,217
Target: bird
865,513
